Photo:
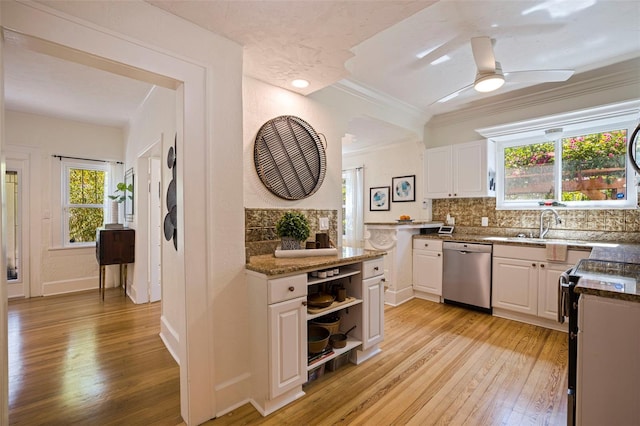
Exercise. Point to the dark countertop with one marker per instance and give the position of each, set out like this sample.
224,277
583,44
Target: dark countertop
273,266
418,223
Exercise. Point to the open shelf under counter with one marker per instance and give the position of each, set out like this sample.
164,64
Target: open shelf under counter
345,272
351,344
335,306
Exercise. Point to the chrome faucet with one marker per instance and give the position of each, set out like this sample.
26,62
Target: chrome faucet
543,230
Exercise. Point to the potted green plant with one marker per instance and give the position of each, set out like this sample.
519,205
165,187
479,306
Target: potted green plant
119,195
293,229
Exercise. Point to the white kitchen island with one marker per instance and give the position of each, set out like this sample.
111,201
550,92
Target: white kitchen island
279,314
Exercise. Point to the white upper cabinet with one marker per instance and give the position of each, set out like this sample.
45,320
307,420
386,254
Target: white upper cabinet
461,170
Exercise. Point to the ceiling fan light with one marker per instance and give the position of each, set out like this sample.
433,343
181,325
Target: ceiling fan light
488,82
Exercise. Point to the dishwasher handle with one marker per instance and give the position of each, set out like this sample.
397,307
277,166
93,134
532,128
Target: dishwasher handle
465,248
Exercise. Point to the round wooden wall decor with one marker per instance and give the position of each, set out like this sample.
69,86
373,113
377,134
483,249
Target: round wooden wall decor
289,157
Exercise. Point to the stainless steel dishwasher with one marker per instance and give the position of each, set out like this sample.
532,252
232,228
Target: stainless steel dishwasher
466,276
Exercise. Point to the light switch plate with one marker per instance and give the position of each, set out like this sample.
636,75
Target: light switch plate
324,223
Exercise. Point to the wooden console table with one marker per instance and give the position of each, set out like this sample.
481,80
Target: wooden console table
115,247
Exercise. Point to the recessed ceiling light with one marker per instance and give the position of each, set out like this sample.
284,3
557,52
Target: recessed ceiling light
300,83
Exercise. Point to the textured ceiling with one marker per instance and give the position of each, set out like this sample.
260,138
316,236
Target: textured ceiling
381,47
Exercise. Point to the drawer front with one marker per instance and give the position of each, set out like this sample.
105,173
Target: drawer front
281,289
426,244
372,268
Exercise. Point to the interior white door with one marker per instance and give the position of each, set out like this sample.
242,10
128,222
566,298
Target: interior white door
155,229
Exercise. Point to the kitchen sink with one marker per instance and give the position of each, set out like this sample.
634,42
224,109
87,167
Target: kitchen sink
526,240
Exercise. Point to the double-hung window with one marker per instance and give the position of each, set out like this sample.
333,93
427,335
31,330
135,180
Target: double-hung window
84,196
578,164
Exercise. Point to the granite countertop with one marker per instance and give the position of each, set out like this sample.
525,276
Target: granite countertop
620,273
606,251
273,266
414,222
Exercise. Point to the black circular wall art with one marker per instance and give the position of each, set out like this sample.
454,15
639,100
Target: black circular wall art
171,218
289,157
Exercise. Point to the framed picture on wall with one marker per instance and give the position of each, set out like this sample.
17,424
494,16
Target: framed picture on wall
379,198
404,188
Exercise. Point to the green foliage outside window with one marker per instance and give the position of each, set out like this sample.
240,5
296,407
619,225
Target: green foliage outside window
86,204
593,168
83,223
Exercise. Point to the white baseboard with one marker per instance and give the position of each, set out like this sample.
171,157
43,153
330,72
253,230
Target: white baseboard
170,338
530,319
398,297
232,394
68,286
427,296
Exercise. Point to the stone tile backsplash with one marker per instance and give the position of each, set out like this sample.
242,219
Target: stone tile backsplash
611,225
260,228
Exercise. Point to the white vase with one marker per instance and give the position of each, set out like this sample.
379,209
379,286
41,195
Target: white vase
115,211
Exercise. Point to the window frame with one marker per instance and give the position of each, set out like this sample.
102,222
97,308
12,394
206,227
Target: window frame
65,205
593,120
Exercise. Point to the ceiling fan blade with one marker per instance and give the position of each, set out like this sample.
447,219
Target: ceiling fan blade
444,49
482,49
538,76
452,95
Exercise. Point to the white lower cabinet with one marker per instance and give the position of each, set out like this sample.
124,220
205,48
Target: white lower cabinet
525,283
515,285
427,269
373,326
288,341
279,317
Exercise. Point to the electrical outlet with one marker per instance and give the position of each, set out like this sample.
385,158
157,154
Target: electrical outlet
324,223
485,221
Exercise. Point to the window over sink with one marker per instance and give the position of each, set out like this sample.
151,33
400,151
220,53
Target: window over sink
577,160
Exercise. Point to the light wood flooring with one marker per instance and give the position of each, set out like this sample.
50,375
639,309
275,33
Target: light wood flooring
440,365
74,360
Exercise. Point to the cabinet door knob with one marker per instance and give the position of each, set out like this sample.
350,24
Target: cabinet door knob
542,265
438,254
426,244
292,288
533,264
304,303
375,268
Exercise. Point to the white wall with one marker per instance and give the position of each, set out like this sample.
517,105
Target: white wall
263,102
380,166
154,122
36,138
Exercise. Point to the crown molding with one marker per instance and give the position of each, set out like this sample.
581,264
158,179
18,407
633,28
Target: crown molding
369,94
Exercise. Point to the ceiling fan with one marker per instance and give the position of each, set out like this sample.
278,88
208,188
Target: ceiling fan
490,76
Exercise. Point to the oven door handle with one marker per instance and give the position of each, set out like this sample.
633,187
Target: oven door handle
563,296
